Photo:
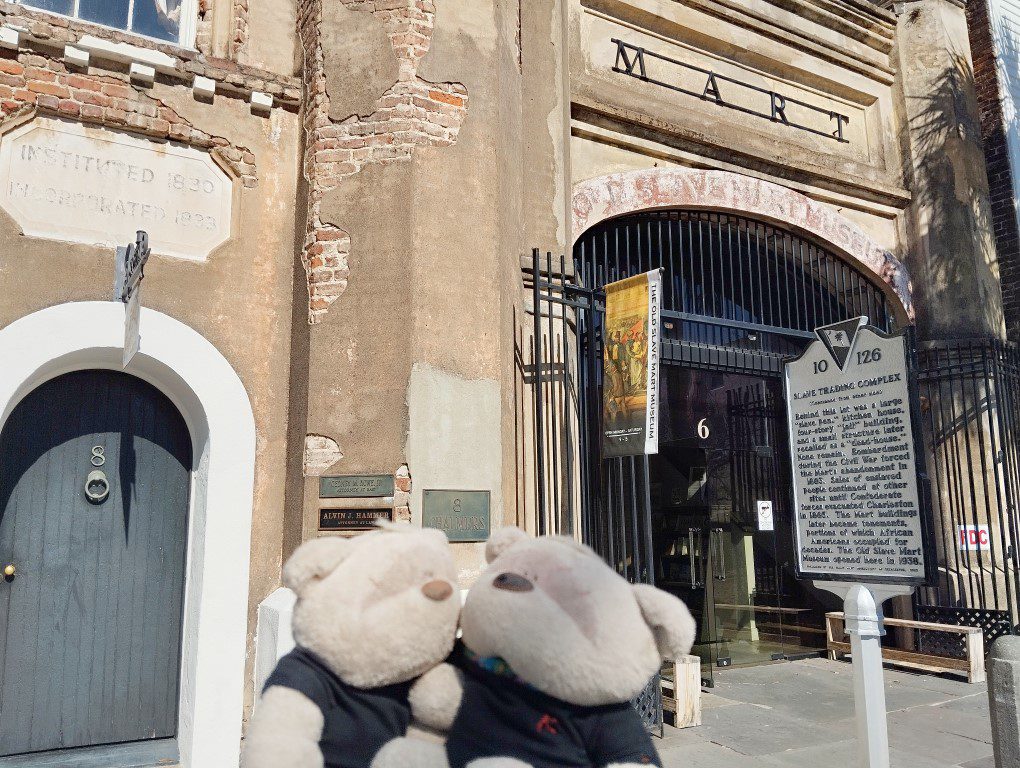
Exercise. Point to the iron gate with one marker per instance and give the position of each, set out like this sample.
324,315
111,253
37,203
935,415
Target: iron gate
741,296
606,502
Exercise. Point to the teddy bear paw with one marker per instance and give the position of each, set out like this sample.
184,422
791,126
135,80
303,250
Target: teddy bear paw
497,762
411,753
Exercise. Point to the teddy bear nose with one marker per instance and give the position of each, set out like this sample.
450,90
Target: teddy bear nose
437,590
512,582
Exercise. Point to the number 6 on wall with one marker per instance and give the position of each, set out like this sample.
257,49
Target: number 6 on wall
703,431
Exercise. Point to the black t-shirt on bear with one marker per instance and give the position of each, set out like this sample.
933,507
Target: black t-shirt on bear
500,717
358,721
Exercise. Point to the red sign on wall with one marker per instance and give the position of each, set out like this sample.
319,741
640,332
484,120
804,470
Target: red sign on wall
974,538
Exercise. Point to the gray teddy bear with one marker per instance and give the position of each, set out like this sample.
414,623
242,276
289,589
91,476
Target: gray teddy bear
555,645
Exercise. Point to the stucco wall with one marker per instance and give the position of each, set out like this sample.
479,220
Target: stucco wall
413,363
239,299
949,243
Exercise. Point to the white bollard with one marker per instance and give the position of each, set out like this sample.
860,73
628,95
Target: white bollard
863,618
862,612
1004,700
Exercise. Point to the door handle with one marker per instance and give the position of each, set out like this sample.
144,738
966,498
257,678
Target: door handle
720,550
695,581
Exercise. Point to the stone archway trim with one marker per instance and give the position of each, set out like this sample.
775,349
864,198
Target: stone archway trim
606,197
186,367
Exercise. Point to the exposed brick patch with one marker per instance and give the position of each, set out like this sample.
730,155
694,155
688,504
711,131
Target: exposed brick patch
412,113
239,31
1000,181
203,30
30,82
402,494
325,253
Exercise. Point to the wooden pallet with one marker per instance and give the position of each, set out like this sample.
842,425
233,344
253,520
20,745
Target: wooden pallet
681,690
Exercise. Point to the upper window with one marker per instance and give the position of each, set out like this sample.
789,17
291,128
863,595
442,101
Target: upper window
168,20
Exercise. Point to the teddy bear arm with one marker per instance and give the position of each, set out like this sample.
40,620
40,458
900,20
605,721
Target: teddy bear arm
435,697
284,731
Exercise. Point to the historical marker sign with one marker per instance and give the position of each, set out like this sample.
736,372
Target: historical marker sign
857,483
462,515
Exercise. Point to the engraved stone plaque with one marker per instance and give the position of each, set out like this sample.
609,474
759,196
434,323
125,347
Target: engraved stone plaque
84,184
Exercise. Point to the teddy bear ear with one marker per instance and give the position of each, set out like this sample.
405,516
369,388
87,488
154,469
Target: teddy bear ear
501,540
668,618
314,560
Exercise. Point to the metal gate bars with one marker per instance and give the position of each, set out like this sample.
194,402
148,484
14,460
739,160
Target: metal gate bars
606,502
970,404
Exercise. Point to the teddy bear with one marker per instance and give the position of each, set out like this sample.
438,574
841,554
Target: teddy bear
375,617
555,646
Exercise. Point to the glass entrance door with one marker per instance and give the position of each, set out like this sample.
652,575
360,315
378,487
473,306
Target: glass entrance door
721,516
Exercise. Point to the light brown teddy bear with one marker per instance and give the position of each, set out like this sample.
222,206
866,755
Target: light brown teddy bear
373,614
555,645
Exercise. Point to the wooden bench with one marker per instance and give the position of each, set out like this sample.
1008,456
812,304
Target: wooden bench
973,666
681,690
763,608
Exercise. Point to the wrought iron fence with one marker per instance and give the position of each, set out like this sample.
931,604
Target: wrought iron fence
970,405
607,503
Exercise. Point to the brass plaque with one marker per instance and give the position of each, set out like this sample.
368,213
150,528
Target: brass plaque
462,515
352,519
355,486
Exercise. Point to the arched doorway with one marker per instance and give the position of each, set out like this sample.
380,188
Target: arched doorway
206,390
94,500
740,294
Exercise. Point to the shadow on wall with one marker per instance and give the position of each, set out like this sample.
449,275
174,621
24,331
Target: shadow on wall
1008,68
954,214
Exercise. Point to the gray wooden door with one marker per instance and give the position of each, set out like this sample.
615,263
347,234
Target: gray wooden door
90,623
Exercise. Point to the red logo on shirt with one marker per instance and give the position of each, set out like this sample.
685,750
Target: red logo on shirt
547,724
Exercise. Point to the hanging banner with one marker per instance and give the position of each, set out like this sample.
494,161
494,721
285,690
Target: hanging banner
630,359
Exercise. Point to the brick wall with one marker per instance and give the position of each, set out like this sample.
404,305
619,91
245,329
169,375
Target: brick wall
32,83
993,135
412,113
35,78
239,33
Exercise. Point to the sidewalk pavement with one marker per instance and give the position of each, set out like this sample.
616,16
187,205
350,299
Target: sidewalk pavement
801,715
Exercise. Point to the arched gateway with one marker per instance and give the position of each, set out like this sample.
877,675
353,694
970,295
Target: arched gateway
618,194
750,269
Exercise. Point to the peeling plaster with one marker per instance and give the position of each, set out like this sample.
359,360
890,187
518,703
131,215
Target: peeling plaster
412,112
321,453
